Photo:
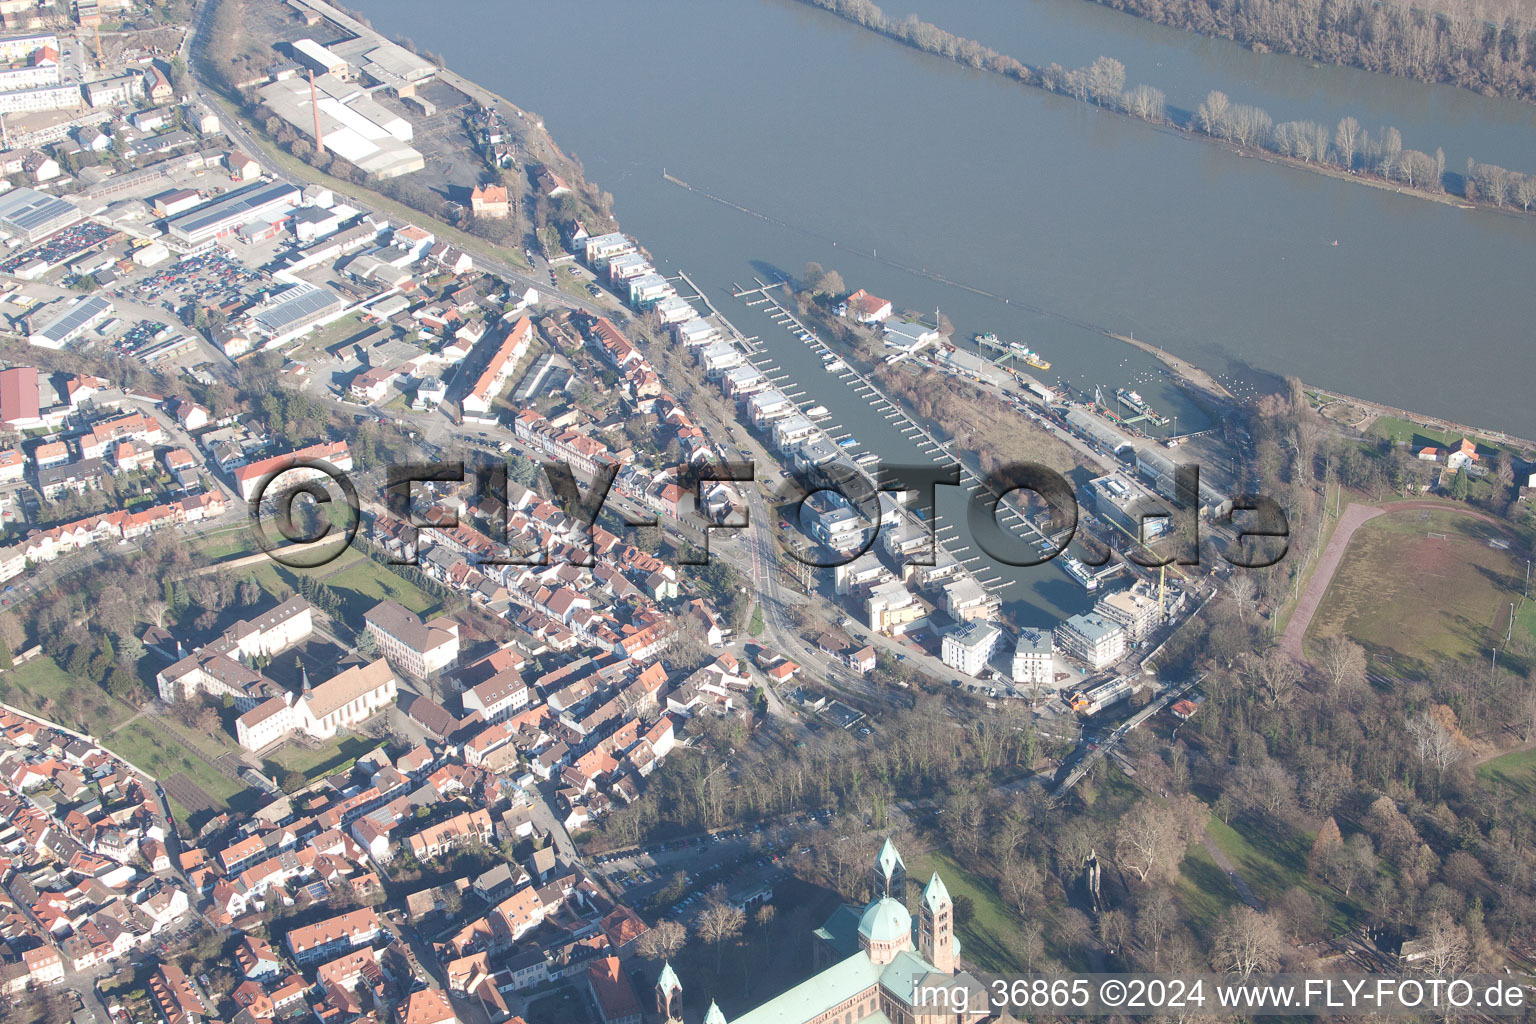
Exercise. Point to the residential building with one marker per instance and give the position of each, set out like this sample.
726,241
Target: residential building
333,936
612,993
429,1006
499,697
249,479
969,648
866,308
498,369
490,201
1033,659
420,649
1091,639
1136,611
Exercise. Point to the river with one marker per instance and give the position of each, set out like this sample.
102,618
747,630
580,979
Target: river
871,157
855,144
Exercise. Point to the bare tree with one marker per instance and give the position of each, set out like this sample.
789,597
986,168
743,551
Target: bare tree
1349,864
1021,884
1106,80
1443,945
1145,102
1435,743
1343,665
1151,839
662,942
1156,915
1114,930
1525,192
1212,114
1346,140
1074,930
1278,677
719,922
1525,718
1031,945
1240,588
1246,943
1074,845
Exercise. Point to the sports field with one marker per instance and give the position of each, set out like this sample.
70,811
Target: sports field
1418,587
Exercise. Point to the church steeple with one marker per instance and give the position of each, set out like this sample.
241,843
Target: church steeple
714,1016
669,995
936,926
890,873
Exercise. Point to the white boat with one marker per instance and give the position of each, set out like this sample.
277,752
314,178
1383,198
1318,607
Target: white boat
837,364
816,412
1080,572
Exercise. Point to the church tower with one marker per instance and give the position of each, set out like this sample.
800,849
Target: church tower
669,995
936,926
714,1016
890,876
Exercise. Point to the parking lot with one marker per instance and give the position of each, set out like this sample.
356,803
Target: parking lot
206,279
741,857
62,247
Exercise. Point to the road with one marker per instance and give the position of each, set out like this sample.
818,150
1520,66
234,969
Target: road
484,254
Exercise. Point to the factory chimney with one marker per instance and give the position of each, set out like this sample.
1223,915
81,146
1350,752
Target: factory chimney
314,104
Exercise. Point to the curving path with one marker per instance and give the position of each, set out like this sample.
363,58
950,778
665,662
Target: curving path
1354,517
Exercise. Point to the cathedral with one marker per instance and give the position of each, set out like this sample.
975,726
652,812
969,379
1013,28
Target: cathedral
871,961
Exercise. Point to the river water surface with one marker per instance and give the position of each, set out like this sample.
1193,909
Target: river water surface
853,144
1061,221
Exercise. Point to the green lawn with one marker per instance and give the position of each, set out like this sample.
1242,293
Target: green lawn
163,754
991,938
1395,428
755,627
1204,890
1269,862
357,579
44,688
368,579
1270,859
322,761
1516,770
226,543
1412,599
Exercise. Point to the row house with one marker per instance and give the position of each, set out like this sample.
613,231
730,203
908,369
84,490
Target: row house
333,935
458,831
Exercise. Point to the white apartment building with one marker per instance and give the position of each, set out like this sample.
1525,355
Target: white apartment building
417,648
969,648
1092,639
1032,659
499,697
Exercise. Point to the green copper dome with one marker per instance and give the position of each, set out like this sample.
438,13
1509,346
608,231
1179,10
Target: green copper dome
885,920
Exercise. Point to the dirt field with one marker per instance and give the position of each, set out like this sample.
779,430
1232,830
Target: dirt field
1416,587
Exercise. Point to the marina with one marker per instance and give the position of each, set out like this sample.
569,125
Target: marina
1242,280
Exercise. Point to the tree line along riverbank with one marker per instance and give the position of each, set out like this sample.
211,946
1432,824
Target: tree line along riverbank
1489,47
1347,149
